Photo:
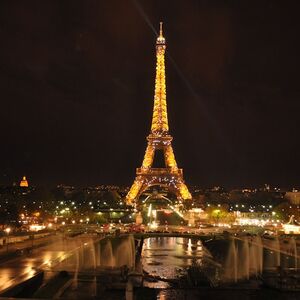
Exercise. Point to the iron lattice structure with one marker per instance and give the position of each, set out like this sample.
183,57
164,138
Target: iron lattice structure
159,139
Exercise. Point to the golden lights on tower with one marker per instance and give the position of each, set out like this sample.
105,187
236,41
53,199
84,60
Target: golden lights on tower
160,115
159,139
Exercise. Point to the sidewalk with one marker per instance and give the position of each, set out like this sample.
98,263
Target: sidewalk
12,250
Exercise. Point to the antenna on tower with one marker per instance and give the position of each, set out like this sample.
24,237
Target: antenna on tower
160,39
161,28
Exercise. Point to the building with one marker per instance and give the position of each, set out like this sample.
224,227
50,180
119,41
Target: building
293,197
24,182
292,227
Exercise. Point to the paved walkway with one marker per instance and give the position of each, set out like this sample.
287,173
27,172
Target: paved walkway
15,248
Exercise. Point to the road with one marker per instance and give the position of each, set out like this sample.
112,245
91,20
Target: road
20,268
13,247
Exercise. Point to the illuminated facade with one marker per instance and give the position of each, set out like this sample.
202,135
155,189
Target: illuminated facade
159,139
292,227
24,182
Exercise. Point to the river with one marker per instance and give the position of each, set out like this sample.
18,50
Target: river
168,257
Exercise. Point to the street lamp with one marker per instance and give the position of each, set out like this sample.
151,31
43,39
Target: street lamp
7,230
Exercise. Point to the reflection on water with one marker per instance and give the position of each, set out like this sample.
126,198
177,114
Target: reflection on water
167,257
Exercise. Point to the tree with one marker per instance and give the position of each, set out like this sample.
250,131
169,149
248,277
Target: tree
285,210
218,214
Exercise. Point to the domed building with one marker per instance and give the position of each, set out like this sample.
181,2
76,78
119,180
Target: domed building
24,182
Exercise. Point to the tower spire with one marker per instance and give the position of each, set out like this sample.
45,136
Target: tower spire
160,124
161,29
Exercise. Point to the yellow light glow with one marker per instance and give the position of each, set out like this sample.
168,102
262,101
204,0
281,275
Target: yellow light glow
184,192
170,158
148,158
24,182
36,227
153,225
134,190
160,115
290,228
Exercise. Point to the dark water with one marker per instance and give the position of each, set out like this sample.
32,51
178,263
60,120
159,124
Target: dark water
224,294
168,258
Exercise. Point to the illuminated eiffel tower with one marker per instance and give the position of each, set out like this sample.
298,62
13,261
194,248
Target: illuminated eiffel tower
159,138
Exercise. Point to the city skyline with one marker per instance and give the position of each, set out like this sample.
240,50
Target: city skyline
79,91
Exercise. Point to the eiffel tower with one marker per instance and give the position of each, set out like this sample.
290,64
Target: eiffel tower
159,139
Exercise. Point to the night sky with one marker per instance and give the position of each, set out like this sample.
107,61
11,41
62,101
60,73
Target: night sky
77,86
